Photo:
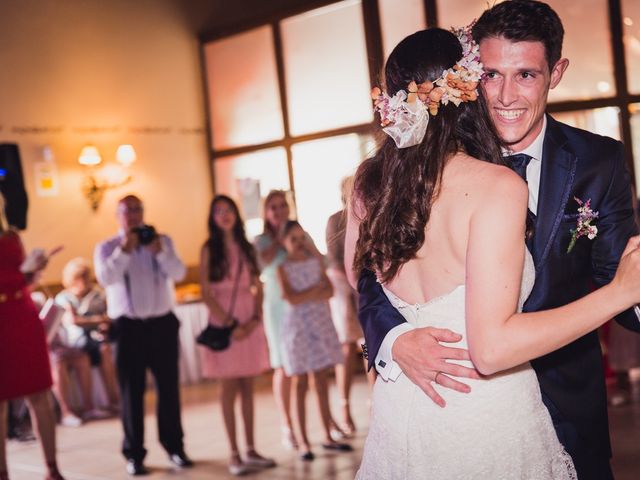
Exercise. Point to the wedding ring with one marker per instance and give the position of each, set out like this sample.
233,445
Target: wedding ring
435,379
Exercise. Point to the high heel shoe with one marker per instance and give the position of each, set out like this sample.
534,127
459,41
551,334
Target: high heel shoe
348,427
54,473
288,438
336,432
306,455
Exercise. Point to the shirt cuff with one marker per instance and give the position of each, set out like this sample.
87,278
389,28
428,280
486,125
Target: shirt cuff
386,367
164,256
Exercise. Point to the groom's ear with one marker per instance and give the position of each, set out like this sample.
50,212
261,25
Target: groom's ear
558,71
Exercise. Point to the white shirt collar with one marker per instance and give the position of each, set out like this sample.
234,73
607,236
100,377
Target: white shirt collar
535,149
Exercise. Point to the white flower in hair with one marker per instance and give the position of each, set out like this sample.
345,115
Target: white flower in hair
405,119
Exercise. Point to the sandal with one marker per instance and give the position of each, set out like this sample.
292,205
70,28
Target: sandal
336,432
307,456
236,466
288,438
54,473
254,459
338,447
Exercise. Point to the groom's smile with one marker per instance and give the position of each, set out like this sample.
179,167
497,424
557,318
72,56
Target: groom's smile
516,84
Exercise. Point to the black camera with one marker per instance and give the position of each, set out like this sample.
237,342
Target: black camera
146,234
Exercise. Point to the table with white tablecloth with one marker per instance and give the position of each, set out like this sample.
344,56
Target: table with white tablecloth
193,319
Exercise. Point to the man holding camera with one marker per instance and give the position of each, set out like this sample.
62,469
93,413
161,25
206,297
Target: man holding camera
137,268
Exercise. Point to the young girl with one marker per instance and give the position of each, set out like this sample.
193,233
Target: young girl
309,338
231,290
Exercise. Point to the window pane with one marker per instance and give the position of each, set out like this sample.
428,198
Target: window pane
456,13
635,138
399,18
631,25
244,99
326,68
603,121
587,43
248,178
318,168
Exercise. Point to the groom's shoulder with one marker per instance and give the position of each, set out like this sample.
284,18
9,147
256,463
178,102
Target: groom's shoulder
583,143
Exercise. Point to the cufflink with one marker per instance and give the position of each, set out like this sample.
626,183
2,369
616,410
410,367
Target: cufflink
365,352
382,364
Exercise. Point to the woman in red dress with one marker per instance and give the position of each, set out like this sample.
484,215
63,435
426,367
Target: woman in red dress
24,359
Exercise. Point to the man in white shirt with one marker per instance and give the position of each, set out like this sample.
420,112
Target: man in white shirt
137,268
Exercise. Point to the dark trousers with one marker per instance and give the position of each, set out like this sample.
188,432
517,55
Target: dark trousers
589,465
150,343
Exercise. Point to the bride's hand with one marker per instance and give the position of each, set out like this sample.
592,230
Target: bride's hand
627,278
422,358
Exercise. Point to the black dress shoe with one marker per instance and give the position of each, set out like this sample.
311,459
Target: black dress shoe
136,467
180,459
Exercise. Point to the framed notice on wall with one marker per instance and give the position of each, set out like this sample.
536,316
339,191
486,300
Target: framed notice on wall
46,176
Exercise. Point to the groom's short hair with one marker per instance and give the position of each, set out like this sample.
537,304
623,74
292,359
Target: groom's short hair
523,20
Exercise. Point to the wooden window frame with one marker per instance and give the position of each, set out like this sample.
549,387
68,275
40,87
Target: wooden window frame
373,40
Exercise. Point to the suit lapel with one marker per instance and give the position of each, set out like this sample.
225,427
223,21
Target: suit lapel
556,179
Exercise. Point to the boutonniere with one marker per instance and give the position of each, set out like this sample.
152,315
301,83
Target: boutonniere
583,227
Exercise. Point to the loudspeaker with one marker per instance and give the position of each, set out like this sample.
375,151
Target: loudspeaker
12,186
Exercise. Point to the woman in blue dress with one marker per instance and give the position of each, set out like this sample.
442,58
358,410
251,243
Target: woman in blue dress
271,254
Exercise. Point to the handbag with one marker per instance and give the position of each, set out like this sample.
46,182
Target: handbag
219,338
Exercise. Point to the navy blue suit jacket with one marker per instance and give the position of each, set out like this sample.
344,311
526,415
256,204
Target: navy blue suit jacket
578,164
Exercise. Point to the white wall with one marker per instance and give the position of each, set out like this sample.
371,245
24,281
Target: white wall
106,72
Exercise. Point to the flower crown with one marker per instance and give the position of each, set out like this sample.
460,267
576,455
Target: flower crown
405,116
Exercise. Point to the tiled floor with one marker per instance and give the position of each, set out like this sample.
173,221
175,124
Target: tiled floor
91,452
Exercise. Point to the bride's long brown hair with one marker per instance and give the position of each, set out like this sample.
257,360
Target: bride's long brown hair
396,188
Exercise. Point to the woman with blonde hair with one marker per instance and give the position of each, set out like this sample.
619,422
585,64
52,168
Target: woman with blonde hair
271,254
84,337
24,360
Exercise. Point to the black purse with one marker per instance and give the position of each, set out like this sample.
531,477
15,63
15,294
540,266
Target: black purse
216,338
219,338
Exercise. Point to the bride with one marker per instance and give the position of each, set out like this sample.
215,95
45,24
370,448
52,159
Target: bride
441,220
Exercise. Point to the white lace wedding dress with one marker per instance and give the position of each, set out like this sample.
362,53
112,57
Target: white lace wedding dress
501,430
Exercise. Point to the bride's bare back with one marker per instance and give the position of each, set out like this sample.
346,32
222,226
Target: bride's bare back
440,265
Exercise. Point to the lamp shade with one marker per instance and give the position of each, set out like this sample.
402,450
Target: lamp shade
126,155
89,156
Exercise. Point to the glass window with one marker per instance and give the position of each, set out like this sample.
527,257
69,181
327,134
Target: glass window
631,26
244,98
318,169
587,43
248,178
456,13
399,18
326,70
603,121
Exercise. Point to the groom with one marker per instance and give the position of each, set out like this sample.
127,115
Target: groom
520,47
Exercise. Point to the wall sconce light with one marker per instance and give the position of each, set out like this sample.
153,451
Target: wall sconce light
94,186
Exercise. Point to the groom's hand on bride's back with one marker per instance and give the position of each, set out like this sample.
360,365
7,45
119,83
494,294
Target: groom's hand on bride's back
422,357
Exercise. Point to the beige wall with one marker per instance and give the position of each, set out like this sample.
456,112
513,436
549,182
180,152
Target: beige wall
105,72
